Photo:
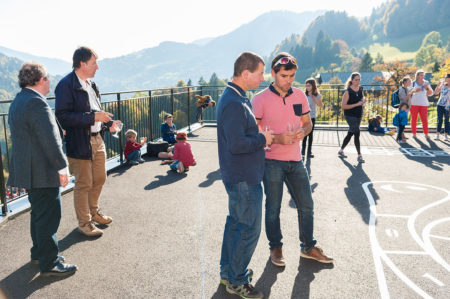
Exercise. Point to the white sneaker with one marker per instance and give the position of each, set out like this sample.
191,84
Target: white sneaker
446,138
437,137
180,167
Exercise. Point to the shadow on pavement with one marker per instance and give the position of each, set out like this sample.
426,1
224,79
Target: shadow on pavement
435,163
268,278
75,237
354,191
211,178
23,282
305,276
170,178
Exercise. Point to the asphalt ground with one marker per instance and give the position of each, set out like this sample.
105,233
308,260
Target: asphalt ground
167,231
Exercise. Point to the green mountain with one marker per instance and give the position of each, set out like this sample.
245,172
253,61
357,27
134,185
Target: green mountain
9,68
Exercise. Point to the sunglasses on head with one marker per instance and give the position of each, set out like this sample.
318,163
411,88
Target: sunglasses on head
286,60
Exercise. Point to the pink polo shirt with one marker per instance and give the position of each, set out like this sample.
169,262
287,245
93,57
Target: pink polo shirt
274,111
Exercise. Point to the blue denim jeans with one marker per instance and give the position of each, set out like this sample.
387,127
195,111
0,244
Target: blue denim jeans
242,229
134,156
295,175
442,113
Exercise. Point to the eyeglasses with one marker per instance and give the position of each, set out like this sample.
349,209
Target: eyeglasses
286,60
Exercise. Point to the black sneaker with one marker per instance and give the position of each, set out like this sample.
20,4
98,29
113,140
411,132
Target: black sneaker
245,291
224,280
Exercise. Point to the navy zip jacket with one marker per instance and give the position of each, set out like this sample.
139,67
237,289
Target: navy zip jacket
240,145
74,113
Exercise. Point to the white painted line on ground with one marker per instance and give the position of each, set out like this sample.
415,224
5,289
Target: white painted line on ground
390,188
392,215
416,188
405,252
440,237
428,246
392,233
378,254
433,279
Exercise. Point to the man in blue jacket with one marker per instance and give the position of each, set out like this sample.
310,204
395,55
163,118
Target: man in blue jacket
78,109
241,159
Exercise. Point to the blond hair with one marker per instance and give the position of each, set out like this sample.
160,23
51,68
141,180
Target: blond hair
130,133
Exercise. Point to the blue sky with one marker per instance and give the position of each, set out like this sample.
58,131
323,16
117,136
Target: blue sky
54,28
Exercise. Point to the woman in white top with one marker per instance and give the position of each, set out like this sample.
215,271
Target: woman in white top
443,106
314,100
421,89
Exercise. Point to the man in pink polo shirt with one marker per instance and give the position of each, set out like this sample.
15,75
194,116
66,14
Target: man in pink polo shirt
285,110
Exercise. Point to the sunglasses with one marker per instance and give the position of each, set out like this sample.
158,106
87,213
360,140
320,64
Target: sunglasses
286,60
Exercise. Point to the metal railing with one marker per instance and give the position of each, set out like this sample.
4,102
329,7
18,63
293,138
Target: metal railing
143,111
140,110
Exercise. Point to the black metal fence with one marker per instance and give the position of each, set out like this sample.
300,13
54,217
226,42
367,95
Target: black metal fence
144,110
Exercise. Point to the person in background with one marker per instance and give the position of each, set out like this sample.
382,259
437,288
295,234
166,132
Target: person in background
421,89
132,151
314,100
442,107
404,94
168,129
352,103
78,109
285,110
375,126
182,154
402,121
241,160
38,164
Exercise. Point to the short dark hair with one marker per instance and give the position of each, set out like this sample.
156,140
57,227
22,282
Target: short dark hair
403,104
30,73
447,76
82,54
247,61
288,66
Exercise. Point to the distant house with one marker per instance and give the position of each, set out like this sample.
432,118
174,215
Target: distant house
370,78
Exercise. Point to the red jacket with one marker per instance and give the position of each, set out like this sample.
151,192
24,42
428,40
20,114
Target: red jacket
183,153
130,147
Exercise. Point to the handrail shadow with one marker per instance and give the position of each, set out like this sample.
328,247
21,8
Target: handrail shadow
435,163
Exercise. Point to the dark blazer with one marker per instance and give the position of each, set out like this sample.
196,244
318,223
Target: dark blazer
74,113
37,152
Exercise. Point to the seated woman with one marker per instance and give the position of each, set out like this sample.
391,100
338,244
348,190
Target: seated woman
375,126
168,129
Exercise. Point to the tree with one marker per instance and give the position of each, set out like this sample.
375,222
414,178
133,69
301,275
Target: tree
444,70
379,59
432,38
202,81
189,82
181,83
366,63
398,70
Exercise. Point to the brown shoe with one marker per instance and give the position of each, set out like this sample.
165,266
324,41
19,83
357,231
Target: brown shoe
317,254
101,219
90,230
276,257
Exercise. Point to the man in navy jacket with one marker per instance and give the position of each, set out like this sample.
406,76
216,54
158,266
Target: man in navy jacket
241,160
78,109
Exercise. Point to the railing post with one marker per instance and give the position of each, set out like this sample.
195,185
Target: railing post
150,114
387,106
120,133
337,107
2,186
171,100
189,108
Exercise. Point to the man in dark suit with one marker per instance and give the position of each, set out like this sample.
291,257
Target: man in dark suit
39,165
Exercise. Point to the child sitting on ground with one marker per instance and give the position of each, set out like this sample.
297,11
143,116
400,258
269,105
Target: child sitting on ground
132,149
182,154
401,120
375,126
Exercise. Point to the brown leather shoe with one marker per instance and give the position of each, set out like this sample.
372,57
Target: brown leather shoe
317,254
101,219
90,230
276,257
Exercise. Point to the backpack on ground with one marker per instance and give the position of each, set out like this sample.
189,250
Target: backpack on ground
395,100
154,148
